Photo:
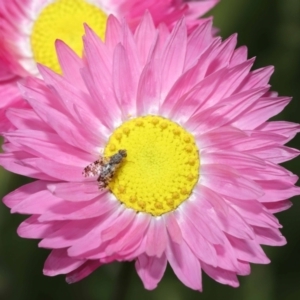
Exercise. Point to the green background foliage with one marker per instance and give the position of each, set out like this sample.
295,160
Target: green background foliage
271,30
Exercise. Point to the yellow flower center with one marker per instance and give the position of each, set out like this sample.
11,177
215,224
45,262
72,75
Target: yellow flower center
63,19
161,167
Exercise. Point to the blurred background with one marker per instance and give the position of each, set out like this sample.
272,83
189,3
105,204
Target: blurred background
271,30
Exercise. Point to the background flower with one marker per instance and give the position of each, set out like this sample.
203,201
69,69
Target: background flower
270,41
28,29
215,224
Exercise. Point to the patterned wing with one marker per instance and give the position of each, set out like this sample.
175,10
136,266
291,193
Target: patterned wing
94,169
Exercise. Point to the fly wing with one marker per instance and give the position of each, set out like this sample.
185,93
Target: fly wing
95,168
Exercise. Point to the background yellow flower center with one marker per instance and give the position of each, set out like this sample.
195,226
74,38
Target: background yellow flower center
161,167
63,19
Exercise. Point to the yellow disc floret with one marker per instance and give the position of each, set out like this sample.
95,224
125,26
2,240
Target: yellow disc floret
161,167
63,19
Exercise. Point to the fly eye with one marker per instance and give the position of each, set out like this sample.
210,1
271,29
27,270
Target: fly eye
123,153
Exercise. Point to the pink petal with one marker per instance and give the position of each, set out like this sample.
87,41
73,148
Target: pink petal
257,78
276,190
26,119
206,195
198,8
18,195
131,242
92,239
66,128
127,245
232,158
37,203
274,153
228,183
33,229
49,146
221,275
275,207
66,210
239,55
22,163
185,265
222,55
248,250
70,233
220,138
67,93
156,237
195,215
151,270
57,170
269,236
254,213
124,85
83,271
58,262
173,56
197,42
261,112
75,191
201,248
124,220
230,221
70,63
288,129
113,32
144,46
173,228
148,89
100,70
226,257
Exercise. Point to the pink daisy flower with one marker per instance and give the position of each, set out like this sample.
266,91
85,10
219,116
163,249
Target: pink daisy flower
154,148
29,28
